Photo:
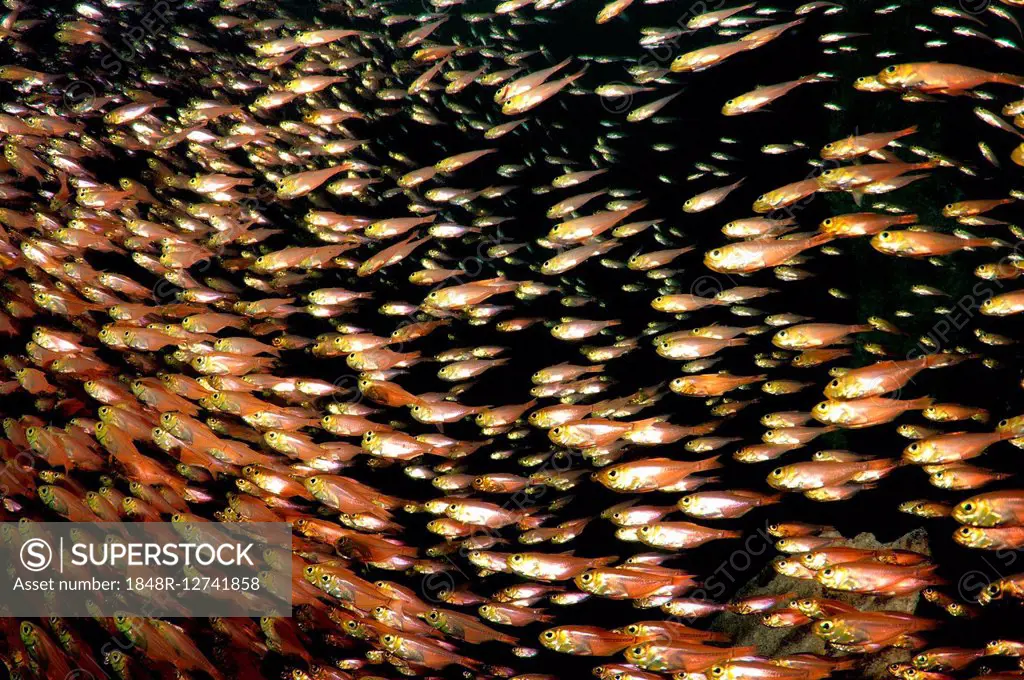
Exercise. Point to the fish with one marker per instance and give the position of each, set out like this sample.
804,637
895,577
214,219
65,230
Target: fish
263,271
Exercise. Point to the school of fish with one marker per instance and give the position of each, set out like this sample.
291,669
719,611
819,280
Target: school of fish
265,262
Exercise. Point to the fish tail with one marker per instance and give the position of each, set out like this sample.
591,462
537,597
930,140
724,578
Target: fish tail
907,219
819,240
821,77
1009,79
646,422
908,131
470,663
924,570
922,403
940,359
709,464
884,465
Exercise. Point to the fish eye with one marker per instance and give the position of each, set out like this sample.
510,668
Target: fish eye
826,625
829,220
716,253
636,651
549,635
587,578
557,430
612,474
777,472
914,447
517,558
992,589
1004,423
829,146
965,531
884,236
834,383
968,507
828,572
891,69
388,639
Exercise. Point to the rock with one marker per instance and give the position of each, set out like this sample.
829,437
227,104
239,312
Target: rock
747,630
